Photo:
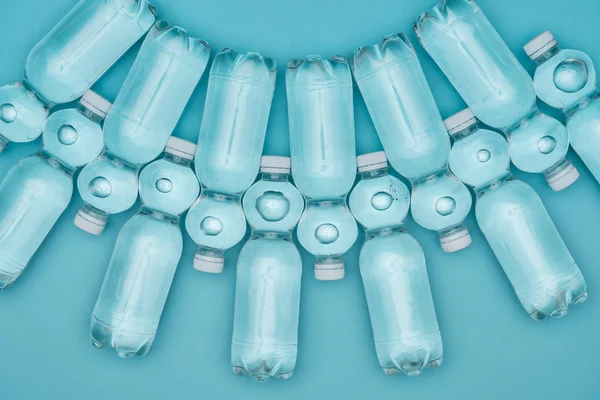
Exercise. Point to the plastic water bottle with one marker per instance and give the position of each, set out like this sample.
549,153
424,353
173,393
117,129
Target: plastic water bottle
515,222
38,189
146,111
269,272
465,45
69,60
146,255
566,79
392,265
412,132
236,113
321,117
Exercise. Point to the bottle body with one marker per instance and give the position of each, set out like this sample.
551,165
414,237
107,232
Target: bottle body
465,45
136,285
33,195
530,249
584,130
402,107
84,45
267,308
405,327
154,95
234,126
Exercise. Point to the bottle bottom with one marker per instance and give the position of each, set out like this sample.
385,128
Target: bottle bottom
126,338
552,298
10,271
411,356
262,362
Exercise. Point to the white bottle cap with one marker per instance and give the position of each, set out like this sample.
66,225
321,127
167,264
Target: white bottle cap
276,165
460,121
89,223
540,45
372,161
209,264
181,148
456,241
563,179
329,272
96,103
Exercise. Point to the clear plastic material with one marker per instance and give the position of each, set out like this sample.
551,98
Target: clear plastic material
413,135
144,261
467,48
145,113
517,226
37,190
321,117
269,272
238,103
566,79
69,60
392,265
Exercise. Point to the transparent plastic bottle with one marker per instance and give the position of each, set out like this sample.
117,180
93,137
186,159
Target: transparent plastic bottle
321,117
515,222
69,60
38,189
146,255
465,45
234,125
146,111
412,132
269,273
392,265
566,79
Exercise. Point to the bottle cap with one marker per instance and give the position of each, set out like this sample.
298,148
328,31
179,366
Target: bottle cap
96,103
565,178
456,241
181,148
460,121
329,272
89,223
372,161
540,45
209,264
276,165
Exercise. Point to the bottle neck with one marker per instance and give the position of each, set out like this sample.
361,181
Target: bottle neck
375,173
175,159
551,52
90,114
274,177
465,132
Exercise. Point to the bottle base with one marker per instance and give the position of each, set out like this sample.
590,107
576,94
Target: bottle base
6,280
262,362
126,342
553,298
412,356
10,271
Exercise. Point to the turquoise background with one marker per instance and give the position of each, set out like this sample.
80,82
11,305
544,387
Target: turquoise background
493,350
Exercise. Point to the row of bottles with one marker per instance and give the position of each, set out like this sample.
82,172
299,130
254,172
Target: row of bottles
116,142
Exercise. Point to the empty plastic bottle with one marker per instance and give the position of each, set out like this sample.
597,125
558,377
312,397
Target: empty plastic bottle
465,45
38,189
392,265
146,255
68,60
321,117
269,272
412,132
515,222
236,113
146,111
566,79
